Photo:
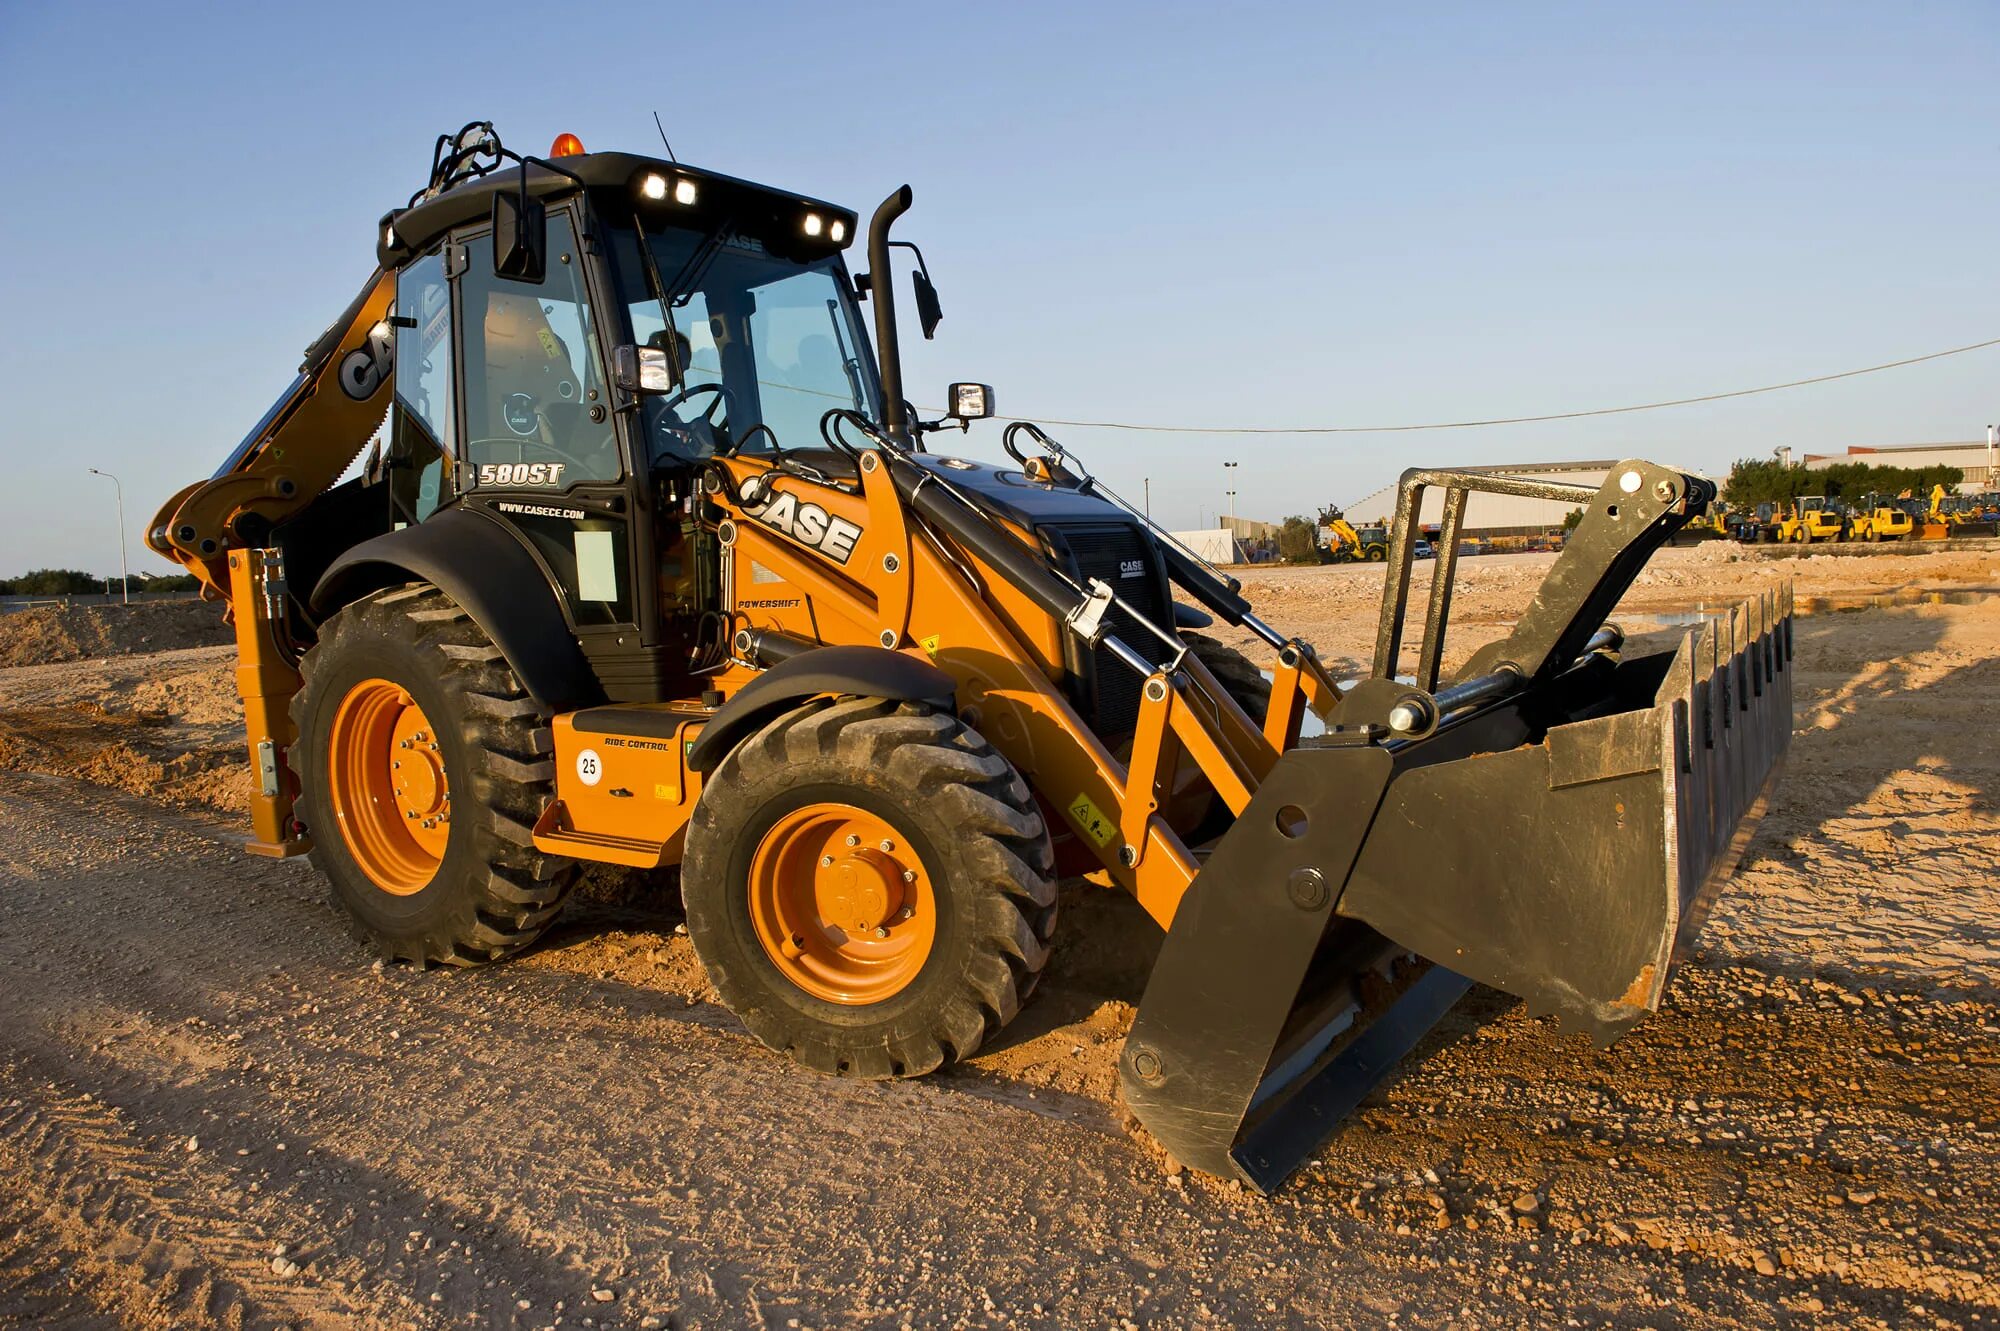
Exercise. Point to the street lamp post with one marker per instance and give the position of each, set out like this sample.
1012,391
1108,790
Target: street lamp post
1227,469
124,569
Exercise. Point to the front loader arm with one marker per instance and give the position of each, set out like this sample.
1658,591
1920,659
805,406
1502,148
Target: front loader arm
305,441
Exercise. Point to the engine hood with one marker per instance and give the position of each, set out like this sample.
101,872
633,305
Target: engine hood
1010,494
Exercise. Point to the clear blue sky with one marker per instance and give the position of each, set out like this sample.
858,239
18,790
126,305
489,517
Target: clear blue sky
1203,214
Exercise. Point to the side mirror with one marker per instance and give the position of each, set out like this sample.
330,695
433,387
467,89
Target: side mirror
520,236
641,370
969,402
929,312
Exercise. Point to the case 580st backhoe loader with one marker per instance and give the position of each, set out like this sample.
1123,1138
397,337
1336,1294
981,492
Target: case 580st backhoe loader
650,565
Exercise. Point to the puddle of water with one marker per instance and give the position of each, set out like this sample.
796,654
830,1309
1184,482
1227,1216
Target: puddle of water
1834,605
1805,605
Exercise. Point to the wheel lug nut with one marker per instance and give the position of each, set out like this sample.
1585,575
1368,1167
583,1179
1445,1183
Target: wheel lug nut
888,846
825,861
853,840
909,875
905,913
881,932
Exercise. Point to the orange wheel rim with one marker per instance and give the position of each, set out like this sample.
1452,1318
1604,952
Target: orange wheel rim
385,768
842,904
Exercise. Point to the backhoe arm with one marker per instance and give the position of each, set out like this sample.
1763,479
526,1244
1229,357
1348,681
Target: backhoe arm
290,457
220,530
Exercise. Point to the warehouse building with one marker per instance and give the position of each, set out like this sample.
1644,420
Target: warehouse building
1489,514
1972,457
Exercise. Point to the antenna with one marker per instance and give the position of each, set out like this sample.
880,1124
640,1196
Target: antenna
663,139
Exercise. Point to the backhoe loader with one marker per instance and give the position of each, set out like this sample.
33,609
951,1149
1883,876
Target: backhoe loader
650,564
1347,544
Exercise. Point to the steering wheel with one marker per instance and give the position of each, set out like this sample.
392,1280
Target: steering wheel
700,434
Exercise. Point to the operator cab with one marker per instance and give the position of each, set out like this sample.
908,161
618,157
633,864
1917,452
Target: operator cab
574,338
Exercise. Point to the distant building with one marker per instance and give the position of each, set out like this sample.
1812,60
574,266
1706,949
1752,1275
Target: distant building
1970,457
1489,514
1214,545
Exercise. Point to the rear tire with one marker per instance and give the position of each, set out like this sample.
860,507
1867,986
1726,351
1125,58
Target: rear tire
475,889
845,998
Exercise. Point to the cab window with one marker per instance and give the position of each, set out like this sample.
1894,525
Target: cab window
420,433
536,410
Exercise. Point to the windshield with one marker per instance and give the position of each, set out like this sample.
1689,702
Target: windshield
763,347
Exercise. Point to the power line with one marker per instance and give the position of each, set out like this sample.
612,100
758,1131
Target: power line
1514,420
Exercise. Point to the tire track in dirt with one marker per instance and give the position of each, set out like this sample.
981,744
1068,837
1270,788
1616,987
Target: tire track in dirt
134,1239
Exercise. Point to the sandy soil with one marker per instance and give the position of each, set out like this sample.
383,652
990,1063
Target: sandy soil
214,1112
46,634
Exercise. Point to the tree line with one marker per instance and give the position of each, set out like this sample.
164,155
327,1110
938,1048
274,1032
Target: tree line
75,582
1756,481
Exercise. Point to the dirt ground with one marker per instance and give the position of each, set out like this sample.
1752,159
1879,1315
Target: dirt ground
45,634
215,1112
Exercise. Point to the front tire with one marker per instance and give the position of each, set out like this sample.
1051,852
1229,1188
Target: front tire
868,885
423,765
1245,683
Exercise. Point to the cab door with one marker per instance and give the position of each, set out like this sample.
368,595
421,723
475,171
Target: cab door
542,450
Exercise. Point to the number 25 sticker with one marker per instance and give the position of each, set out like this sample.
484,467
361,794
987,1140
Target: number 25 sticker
589,769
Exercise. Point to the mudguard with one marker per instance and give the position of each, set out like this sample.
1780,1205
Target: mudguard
478,563
874,672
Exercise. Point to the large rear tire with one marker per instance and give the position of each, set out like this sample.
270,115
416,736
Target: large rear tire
423,765
868,885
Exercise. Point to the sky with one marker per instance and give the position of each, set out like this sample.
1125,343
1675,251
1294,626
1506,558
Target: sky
1197,215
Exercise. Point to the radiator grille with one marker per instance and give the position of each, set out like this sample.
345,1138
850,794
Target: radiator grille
1106,689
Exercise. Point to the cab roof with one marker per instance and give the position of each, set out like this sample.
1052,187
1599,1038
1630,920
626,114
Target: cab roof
618,181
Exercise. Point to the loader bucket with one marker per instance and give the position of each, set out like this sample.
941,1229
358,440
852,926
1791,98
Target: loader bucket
1561,843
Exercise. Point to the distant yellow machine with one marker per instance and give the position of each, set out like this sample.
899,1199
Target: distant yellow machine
1347,544
1815,518
1882,520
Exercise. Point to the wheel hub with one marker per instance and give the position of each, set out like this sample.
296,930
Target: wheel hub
391,798
841,903
861,892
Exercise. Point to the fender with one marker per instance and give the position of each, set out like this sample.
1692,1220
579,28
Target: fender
871,672
479,564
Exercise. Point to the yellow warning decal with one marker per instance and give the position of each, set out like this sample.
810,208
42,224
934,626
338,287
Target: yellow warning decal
549,344
666,792
1094,824
930,645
